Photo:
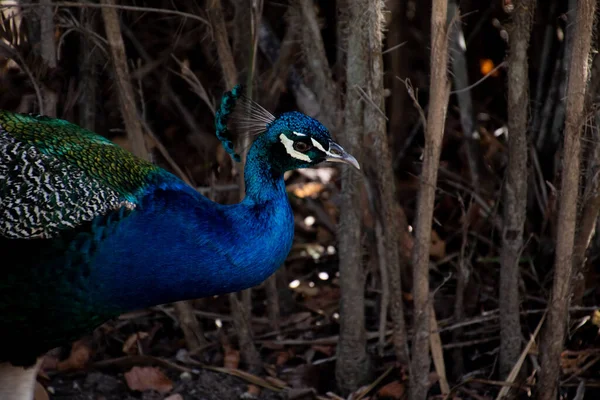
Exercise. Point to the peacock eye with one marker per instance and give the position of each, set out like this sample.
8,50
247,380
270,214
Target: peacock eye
301,146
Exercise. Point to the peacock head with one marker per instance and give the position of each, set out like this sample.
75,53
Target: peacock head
293,140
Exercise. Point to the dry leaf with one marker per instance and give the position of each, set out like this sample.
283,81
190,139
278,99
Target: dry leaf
130,345
282,357
253,391
175,396
232,357
596,318
438,246
308,189
148,378
407,242
79,357
394,390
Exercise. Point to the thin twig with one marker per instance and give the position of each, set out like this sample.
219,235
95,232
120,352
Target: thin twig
413,95
125,89
501,65
221,38
437,353
104,6
517,367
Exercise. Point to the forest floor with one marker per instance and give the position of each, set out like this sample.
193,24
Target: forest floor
206,385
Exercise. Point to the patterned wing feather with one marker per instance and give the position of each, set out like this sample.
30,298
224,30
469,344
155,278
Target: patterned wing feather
55,175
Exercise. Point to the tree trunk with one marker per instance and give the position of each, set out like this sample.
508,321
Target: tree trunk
438,103
363,78
515,186
553,338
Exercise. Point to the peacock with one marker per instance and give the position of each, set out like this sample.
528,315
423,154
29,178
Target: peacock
88,231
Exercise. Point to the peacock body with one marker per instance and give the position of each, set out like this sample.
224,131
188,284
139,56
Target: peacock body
88,231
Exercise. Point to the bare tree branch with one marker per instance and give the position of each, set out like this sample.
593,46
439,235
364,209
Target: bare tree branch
193,333
226,60
438,103
88,74
104,5
591,192
129,111
554,330
48,52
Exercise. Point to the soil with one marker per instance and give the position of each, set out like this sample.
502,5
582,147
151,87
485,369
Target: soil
206,385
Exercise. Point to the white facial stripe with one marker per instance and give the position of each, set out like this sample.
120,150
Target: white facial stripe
289,147
318,145
298,133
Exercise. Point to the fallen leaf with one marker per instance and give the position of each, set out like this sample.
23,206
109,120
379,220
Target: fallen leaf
129,347
175,396
438,246
253,391
282,357
302,376
232,357
308,189
596,318
394,390
79,357
148,378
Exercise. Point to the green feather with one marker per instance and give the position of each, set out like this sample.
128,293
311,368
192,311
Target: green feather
93,154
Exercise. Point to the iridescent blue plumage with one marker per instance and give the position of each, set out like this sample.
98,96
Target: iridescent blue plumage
228,103
158,240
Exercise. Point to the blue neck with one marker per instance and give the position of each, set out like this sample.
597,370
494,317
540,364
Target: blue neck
180,245
263,177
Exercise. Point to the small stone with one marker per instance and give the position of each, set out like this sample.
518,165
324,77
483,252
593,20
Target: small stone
185,376
102,383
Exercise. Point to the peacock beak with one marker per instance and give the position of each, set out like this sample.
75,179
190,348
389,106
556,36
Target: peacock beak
337,154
